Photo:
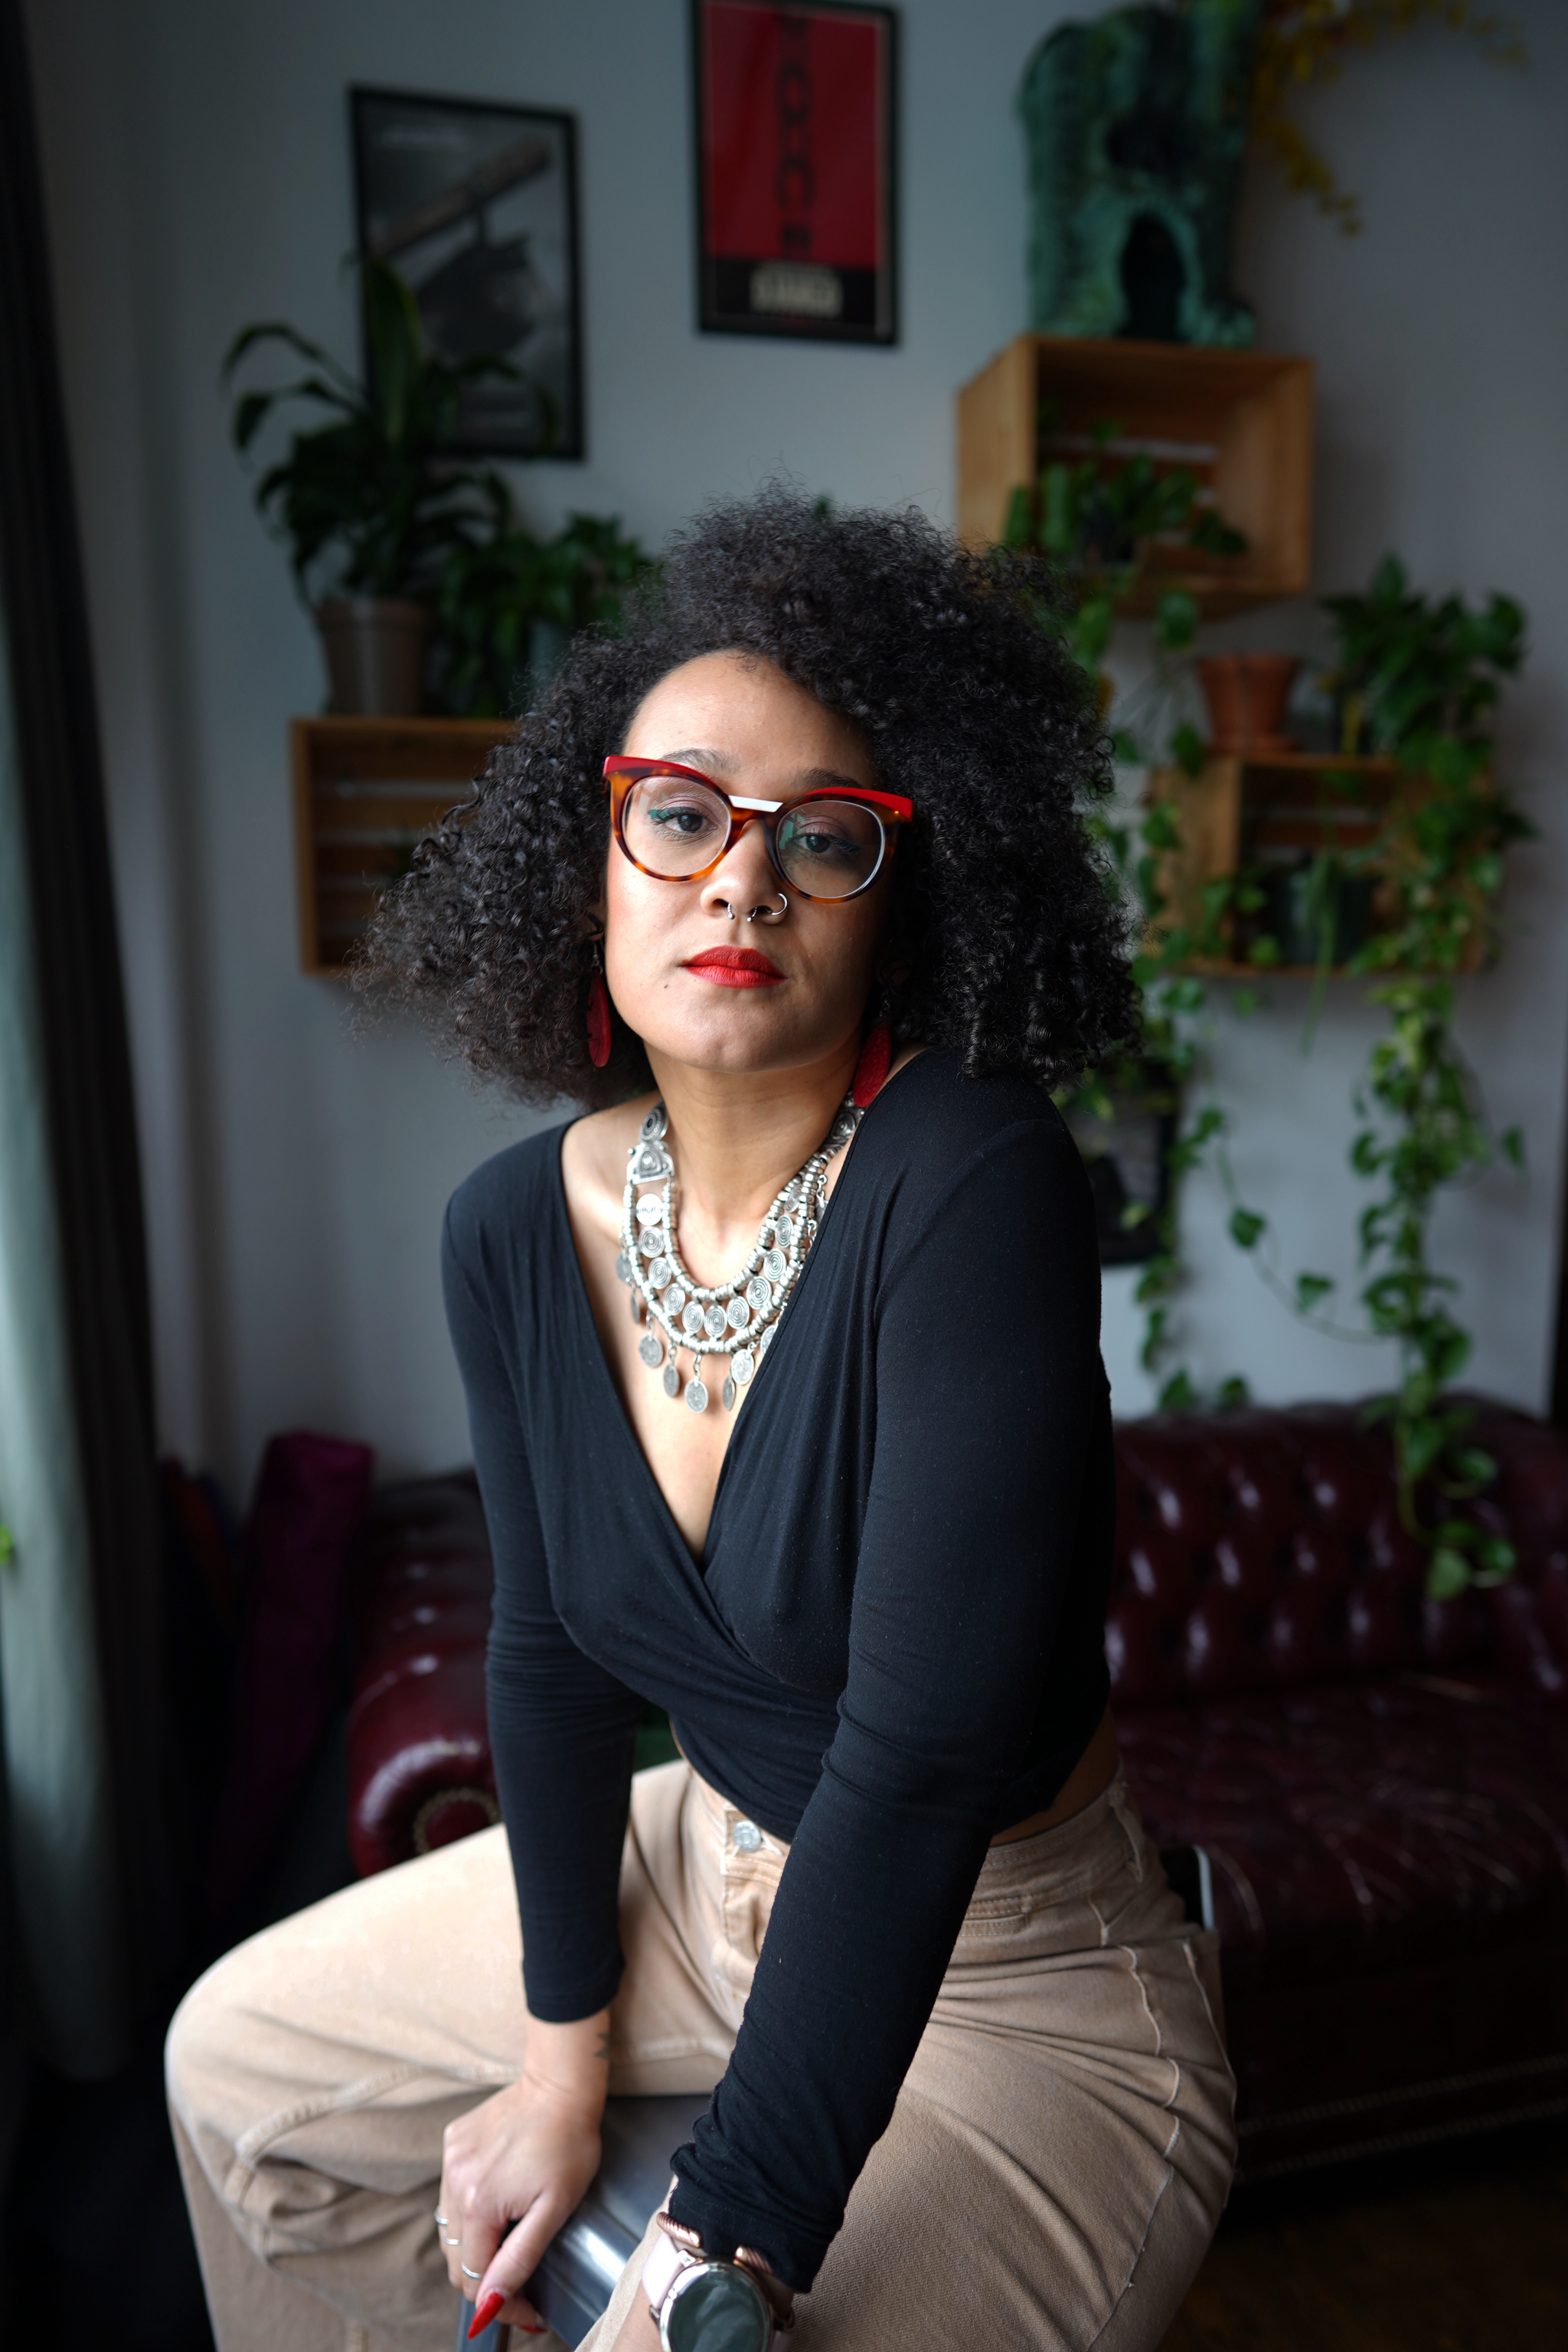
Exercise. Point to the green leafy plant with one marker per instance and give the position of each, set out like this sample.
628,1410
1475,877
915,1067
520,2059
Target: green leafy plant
495,596
373,502
1111,523
1420,681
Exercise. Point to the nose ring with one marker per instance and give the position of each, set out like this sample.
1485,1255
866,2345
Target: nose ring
769,914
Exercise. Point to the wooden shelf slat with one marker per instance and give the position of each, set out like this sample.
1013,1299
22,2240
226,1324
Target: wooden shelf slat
1227,813
1241,420
365,791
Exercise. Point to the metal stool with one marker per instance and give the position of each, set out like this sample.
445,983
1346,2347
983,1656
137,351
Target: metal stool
573,2285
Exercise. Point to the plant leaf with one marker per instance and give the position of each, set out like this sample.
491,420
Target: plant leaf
1447,1574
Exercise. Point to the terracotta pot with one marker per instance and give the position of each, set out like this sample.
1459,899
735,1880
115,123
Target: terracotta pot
1247,694
376,649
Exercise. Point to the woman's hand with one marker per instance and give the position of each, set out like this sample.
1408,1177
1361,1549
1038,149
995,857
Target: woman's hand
514,2169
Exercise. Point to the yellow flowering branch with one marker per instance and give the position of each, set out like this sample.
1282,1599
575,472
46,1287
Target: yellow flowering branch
1307,41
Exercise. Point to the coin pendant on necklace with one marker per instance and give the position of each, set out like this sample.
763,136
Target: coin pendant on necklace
744,1309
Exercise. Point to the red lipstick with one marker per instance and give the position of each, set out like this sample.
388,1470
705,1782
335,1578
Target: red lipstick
735,968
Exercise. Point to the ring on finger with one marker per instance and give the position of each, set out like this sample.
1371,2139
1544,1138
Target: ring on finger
439,2220
453,2242
467,2273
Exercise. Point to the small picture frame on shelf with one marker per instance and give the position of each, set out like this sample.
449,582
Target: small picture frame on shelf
795,112
475,204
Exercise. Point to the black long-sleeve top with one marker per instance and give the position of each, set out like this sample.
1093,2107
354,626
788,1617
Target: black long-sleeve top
891,1648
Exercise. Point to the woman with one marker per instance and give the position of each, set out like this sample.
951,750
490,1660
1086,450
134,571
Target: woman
792,878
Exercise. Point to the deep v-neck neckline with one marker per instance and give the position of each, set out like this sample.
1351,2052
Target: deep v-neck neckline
584,1307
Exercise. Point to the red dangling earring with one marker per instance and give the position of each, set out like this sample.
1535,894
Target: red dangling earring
598,1013
871,1069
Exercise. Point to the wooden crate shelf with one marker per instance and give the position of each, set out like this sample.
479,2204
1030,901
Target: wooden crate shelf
1242,421
364,791
1236,810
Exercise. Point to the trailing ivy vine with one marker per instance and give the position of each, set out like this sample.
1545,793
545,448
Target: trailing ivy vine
1416,681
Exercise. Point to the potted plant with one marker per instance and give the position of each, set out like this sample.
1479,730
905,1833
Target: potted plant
372,504
506,606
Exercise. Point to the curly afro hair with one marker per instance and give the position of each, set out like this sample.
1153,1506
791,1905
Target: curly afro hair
1004,938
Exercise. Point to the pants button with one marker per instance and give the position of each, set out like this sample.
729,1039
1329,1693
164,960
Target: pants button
747,1837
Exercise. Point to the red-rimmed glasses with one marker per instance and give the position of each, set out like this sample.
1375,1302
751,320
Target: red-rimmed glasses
676,824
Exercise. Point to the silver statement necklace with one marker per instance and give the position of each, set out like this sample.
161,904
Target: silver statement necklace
734,1320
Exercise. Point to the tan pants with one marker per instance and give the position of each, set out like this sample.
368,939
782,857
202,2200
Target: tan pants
1056,2164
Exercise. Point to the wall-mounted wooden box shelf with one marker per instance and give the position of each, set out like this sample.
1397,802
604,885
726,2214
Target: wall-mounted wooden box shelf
364,791
1242,421
1239,812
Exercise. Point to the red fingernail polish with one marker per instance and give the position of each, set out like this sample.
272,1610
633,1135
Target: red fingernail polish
486,2313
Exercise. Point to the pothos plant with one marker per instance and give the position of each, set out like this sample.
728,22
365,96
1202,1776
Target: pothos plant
1416,681
1111,524
492,594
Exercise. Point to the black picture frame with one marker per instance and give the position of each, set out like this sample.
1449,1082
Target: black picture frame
475,202
756,271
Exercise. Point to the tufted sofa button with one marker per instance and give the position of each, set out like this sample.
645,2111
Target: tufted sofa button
1524,1644
1391,1549
1246,1563
1321,1555
1304,1638
1382,1626
1216,1653
1141,1666
1162,1567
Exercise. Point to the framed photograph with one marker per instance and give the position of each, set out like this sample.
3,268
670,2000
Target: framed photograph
477,206
795,170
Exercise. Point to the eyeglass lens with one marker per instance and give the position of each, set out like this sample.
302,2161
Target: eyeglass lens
828,848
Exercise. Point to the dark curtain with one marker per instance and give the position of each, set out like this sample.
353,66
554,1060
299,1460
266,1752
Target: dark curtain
86,1085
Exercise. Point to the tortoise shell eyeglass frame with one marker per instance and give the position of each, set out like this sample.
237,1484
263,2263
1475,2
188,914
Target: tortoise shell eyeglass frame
890,809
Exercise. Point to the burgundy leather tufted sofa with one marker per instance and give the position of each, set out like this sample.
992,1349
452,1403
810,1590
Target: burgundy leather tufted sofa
1379,1783
419,1752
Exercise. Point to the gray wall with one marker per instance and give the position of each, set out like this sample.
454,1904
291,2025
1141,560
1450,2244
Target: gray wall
199,178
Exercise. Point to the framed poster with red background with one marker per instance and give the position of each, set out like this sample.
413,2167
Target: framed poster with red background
794,169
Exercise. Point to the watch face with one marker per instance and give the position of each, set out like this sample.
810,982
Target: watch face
716,2308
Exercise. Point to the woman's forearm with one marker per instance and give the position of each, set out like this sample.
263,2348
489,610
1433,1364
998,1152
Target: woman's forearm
570,2063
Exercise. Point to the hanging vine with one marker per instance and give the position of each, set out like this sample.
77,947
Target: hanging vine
1414,681
1301,42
